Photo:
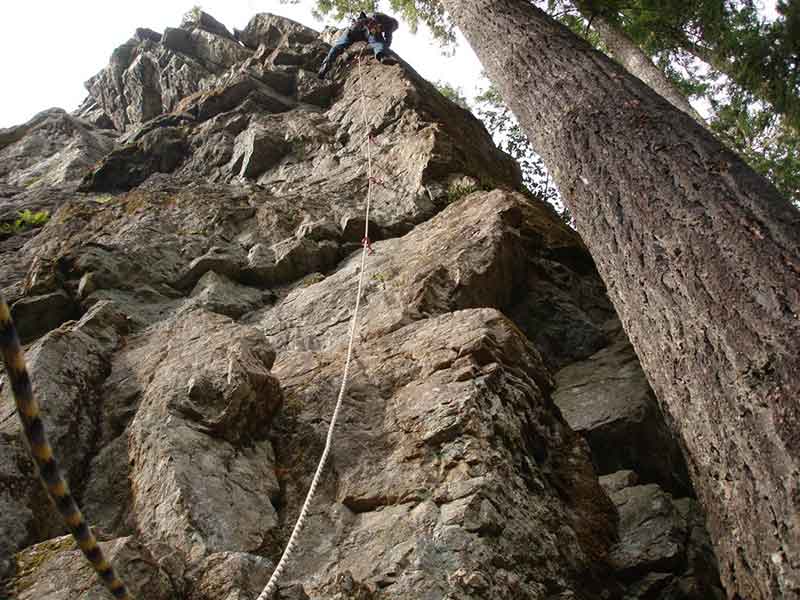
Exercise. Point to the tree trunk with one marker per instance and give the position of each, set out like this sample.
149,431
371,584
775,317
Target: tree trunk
629,55
701,258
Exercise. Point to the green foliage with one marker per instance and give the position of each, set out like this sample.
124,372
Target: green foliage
762,139
510,138
759,57
432,14
457,191
454,94
26,220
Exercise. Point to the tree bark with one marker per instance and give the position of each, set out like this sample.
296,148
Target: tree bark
701,257
629,55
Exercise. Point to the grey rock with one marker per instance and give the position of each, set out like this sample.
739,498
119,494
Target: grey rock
651,531
273,31
215,51
311,90
223,261
216,293
295,258
618,481
36,315
53,148
608,399
419,535
663,550
141,78
68,367
143,33
207,104
91,112
318,230
178,39
256,150
198,19
292,592
159,151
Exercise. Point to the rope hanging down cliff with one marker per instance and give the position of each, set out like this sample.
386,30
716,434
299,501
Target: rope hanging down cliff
42,452
272,585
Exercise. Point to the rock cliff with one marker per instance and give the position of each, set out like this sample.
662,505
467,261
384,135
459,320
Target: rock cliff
186,307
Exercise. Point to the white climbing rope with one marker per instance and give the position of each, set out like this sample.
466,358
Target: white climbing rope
272,585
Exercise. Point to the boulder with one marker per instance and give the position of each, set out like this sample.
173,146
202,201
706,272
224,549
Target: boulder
231,576
458,394
663,551
223,261
651,532
51,149
178,40
198,19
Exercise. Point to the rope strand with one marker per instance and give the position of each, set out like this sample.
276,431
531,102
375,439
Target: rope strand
272,585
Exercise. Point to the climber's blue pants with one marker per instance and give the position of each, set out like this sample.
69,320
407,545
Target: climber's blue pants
376,42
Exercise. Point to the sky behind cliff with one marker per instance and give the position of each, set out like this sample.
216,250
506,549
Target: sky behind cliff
52,47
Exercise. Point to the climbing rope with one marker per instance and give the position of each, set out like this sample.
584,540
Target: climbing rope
30,416
272,585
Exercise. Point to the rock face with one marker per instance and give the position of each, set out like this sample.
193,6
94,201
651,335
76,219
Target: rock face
187,308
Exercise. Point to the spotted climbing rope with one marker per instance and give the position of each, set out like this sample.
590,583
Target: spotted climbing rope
29,413
272,585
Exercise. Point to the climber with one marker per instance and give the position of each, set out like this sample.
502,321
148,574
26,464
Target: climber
376,29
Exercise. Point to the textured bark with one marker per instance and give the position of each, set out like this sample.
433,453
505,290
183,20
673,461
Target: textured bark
629,55
700,256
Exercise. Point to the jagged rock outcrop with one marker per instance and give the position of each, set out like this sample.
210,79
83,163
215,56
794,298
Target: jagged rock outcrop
187,306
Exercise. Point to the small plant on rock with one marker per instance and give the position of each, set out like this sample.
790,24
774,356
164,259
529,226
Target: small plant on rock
26,220
457,191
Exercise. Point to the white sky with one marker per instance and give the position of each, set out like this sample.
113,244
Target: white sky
48,48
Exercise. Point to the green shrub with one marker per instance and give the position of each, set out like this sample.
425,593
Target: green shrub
458,191
26,220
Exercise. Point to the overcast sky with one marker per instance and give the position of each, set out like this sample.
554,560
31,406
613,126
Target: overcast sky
48,48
